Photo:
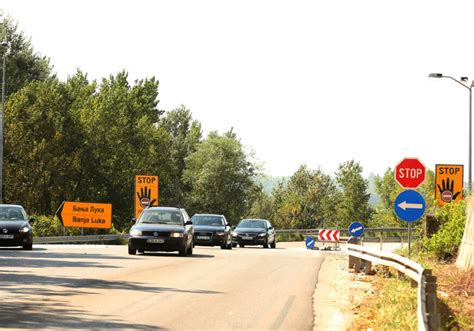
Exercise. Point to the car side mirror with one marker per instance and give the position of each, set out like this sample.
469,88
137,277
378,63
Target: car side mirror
133,220
188,223
270,228
32,219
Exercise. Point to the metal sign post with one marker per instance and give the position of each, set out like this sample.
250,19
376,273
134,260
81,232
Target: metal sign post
409,240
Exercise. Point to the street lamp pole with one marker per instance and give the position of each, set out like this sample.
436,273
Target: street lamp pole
462,82
2,121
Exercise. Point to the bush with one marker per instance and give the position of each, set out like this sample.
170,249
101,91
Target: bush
445,243
46,226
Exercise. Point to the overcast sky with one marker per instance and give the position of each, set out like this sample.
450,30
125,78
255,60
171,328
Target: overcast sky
301,82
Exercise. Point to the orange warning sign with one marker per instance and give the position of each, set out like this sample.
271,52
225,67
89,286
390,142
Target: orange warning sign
146,193
448,183
85,215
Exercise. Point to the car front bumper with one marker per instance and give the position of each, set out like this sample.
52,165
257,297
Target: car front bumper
254,241
145,243
19,239
214,240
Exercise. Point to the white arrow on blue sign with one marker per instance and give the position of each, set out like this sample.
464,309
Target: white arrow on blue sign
409,206
310,242
356,229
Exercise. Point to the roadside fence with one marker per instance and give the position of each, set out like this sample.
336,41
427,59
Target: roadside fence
421,277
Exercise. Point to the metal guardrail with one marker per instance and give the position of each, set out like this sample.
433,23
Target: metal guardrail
113,237
367,230
427,317
79,239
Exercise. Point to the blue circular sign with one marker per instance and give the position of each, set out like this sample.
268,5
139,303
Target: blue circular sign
310,242
356,229
409,206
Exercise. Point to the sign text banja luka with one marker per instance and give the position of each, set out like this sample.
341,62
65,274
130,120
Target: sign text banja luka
85,215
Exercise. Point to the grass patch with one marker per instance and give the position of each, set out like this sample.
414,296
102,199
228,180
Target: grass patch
391,305
282,237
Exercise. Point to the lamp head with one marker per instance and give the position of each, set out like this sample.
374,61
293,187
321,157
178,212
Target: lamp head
435,75
464,79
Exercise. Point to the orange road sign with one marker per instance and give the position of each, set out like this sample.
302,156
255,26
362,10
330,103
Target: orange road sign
85,215
146,193
448,183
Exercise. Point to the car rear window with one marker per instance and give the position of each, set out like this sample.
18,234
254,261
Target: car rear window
161,217
252,224
207,220
9,213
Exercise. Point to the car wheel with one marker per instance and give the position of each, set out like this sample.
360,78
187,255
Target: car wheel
132,251
242,245
230,246
183,251
28,247
274,243
234,245
223,246
141,251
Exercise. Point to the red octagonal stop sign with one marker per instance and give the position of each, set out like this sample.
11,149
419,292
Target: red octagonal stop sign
410,173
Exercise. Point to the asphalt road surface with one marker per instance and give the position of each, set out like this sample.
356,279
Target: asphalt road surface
102,287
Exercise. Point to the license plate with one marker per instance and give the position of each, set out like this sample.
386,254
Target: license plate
6,236
203,237
155,241
247,238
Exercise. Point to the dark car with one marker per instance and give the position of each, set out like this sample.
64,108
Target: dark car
254,232
212,230
165,229
15,228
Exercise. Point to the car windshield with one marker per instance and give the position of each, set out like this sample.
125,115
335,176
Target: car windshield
8,213
208,220
161,217
252,224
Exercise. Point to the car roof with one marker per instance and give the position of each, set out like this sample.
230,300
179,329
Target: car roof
163,208
208,215
254,219
10,205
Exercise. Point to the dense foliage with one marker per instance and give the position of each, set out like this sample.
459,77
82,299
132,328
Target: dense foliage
445,242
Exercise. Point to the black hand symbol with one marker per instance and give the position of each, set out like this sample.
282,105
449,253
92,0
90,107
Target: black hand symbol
448,186
145,193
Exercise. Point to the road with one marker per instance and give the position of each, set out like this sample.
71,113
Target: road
102,287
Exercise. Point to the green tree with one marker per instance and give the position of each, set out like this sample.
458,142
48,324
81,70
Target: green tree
23,64
353,204
41,154
121,140
185,134
221,177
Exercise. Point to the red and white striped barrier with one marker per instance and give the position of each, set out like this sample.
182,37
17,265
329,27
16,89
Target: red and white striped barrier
328,235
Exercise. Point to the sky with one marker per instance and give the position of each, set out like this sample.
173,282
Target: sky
300,82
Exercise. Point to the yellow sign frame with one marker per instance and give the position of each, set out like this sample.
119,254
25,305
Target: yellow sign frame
146,192
85,215
449,183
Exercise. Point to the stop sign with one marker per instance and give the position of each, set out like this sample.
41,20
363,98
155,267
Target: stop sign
410,173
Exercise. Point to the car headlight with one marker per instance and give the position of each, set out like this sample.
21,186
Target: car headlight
219,233
262,234
176,235
24,229
135,232
234,234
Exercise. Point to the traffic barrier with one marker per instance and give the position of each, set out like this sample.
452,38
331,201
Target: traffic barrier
427,317
79,239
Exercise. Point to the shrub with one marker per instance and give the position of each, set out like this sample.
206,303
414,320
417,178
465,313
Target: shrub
46,226
445,243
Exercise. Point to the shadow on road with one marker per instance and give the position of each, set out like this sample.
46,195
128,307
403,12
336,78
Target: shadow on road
18,258
18,283
194,256
54,314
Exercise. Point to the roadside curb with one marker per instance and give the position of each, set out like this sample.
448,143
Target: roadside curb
338,289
